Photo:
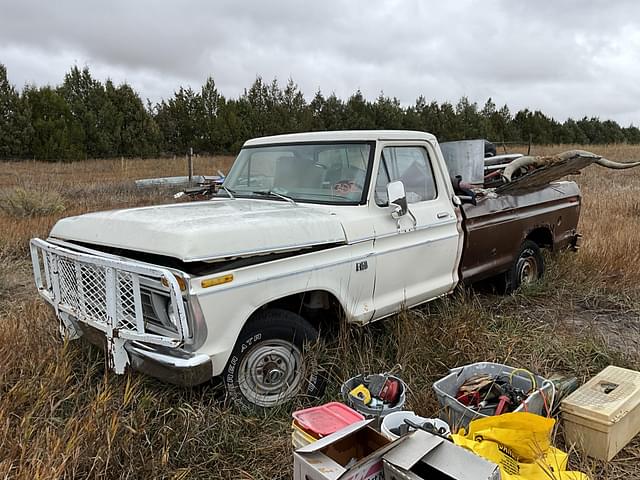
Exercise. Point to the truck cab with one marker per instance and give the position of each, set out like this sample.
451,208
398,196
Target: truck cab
346,174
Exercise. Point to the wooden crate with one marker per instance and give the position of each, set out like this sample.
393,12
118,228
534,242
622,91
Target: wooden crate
603,415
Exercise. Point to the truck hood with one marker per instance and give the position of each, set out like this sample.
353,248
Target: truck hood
207,230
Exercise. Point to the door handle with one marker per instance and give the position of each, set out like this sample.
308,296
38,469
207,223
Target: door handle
443,215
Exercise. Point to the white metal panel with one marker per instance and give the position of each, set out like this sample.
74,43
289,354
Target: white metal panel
342,136
206,230
226,307
415,263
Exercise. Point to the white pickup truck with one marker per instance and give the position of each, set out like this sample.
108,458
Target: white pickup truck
307,228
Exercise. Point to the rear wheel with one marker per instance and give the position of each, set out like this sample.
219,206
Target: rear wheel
528,267
267,366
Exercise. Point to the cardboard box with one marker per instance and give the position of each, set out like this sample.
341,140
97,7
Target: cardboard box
603,415
426,456
353,453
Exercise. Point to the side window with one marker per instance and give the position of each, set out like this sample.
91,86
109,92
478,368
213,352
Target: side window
411,165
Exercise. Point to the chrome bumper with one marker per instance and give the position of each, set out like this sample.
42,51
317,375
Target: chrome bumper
170,365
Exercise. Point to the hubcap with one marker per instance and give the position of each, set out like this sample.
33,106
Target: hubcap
527,269
271,372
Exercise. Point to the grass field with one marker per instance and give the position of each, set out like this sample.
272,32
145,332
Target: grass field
62,416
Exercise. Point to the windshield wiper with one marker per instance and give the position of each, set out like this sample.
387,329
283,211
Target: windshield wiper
229,191
269,193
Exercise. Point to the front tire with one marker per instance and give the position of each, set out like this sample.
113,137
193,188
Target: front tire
527,268
267,365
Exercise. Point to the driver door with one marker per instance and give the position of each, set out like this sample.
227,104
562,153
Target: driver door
415,261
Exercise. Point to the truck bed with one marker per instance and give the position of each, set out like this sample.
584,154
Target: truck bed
496,227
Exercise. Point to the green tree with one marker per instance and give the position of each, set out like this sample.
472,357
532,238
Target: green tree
296,115
56,134
181,121
358,113
257,107
316,107
470,122
535,125
327,113
571,133
411,119
449,123
632,134
87,101
234,128
136,132
15,128
213,131
387,112
437,119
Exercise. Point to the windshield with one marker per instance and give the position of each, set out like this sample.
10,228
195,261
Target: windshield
317,173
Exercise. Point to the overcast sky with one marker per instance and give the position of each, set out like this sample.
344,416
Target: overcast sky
568,58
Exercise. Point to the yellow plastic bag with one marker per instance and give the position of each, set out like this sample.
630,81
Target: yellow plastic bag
520,443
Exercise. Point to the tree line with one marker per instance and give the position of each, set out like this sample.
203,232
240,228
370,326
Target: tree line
85,118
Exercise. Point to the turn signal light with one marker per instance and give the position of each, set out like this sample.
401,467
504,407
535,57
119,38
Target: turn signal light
181,282
212,282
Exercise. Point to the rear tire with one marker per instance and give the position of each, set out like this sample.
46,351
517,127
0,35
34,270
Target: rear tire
267,366
527,268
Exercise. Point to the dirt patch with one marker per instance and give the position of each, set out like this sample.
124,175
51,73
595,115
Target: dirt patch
619,327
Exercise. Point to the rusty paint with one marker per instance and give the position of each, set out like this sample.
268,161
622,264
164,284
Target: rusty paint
500,224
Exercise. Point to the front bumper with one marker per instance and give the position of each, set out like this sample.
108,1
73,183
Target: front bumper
171,365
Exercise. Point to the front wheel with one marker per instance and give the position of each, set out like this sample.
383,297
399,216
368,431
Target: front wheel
267,366
528,267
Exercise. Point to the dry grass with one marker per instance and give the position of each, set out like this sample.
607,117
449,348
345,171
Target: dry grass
610,217
21,203
61,416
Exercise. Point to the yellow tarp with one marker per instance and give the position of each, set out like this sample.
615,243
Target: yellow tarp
520,443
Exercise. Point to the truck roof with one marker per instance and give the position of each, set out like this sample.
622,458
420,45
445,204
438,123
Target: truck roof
341,135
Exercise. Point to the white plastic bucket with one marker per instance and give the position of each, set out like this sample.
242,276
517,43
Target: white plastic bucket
396,419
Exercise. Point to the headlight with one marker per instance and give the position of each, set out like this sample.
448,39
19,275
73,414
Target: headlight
171,313
158,310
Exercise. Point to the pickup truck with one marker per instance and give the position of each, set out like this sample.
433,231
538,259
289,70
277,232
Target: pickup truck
306,229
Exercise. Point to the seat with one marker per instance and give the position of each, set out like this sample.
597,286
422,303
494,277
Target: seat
286,176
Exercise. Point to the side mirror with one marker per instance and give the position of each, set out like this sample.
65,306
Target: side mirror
397,197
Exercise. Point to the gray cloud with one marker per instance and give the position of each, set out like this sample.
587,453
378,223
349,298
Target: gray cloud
566,58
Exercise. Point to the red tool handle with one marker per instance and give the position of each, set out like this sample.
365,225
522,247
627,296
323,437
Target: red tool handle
502,404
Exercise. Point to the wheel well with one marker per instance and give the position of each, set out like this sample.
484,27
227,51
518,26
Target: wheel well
320,307
542,236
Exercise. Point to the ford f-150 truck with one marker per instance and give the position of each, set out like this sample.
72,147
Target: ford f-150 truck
307,228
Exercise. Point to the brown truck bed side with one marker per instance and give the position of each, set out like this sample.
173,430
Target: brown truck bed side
495,228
